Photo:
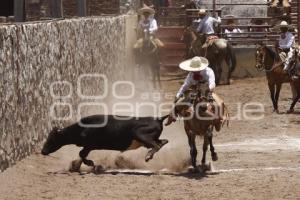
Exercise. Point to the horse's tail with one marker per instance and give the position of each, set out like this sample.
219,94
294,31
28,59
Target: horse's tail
230,58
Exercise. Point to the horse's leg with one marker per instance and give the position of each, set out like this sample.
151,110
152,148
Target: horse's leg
293,90
216,71
278,88
214,155
291,110
204,148
272,94
220,70
193,149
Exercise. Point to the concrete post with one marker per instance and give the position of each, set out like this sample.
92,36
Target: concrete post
298,21
81,8
19,10
56,8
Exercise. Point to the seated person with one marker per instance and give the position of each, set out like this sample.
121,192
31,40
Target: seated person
231,29
258,30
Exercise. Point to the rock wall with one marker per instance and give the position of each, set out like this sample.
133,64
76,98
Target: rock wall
34,57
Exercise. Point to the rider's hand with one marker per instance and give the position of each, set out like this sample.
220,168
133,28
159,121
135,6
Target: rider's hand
177,97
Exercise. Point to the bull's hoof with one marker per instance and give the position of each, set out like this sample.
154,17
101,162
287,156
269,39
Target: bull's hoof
290,111
98,169
214,156
75,166
163,142
89,163
276,111
149,155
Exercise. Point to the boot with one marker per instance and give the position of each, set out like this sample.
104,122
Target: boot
274,3
286,4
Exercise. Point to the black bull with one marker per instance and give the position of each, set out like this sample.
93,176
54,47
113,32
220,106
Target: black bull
118,133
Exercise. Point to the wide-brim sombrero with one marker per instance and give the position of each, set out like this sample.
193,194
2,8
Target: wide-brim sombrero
195,64
146,9
284,24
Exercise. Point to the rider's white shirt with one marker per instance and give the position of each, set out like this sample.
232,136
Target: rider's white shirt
288,41
207,74
152,25
206,25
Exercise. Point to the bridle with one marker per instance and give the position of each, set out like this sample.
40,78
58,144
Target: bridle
260,60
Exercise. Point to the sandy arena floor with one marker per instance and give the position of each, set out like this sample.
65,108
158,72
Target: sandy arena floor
258,159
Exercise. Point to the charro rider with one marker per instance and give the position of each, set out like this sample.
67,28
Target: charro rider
206,27
199,72
286,46
147,24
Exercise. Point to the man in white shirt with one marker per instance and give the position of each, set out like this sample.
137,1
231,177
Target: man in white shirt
286,45
199,72
148,24
206,27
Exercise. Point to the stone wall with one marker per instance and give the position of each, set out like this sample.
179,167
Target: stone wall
34,56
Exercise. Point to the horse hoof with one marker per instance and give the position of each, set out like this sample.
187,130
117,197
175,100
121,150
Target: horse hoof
194,170
290,111
205,167
276,111
214,156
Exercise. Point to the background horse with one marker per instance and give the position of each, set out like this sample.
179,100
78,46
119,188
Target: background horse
269,61
219,51
147,56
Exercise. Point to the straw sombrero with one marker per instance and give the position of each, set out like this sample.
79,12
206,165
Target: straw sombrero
284,24
146,9
195,64
230,19
202,12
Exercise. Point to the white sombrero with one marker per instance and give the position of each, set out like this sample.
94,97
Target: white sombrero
146,9
284,24
195,64
202,12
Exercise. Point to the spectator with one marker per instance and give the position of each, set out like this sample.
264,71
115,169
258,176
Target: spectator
231,30
259,31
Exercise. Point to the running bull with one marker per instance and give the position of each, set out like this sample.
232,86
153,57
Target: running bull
119,133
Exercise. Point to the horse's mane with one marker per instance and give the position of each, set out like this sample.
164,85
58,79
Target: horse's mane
271,52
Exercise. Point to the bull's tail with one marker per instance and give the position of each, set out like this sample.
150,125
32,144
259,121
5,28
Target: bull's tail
161,119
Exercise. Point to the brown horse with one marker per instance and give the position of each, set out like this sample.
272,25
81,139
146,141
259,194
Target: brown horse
219,51
200,117
269,61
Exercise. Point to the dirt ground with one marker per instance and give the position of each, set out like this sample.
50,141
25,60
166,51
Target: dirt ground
258,159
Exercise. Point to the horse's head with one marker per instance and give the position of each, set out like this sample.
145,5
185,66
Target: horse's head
148,47
260,55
